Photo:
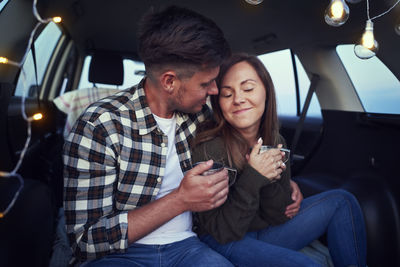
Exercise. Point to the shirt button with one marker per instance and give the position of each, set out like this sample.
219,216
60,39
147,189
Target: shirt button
162,144
159,179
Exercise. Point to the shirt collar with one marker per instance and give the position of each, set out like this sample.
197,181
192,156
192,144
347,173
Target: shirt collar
144,116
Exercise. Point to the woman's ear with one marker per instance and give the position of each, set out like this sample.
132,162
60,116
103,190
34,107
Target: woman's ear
169,81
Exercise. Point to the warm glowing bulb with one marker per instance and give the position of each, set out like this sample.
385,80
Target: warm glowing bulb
57,19
3,60
368,46
37,116
337,13
337,9
368,39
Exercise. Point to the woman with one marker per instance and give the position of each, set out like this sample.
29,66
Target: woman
251,228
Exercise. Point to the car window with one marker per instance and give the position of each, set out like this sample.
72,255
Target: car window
44,47
133,73
279,64
376,85
3,4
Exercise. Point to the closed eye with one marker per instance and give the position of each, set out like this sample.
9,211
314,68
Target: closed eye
226,95
207,84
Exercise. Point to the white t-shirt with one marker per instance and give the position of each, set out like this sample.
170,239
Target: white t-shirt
180,227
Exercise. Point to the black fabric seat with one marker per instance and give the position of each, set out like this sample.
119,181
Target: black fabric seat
27,230
106,68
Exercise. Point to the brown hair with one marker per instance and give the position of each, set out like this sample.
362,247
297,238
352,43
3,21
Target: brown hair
236,146
180,38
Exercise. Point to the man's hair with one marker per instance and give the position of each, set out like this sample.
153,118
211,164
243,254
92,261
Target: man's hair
180,38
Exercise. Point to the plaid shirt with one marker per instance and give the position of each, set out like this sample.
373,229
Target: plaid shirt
114,162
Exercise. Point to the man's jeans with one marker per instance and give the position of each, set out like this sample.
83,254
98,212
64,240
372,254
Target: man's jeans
335,212
188,252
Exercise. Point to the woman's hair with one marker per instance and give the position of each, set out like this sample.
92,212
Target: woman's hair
235,144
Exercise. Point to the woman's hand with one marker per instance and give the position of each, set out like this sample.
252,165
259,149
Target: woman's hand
297,197
268,163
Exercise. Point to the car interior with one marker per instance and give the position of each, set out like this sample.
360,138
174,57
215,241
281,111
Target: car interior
339,117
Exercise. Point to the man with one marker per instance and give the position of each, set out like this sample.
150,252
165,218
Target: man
129,183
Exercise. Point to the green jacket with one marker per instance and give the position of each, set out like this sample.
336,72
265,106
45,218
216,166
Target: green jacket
253,202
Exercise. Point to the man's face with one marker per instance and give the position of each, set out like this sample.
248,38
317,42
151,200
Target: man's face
193,92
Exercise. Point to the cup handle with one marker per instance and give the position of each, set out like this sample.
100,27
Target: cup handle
234,176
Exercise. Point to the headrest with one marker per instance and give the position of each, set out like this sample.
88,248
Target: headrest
106,68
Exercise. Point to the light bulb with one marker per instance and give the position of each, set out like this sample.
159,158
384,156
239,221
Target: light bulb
254,2
57,19
368,46
337,13
37,116
3,60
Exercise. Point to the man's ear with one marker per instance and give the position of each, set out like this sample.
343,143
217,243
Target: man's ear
169,81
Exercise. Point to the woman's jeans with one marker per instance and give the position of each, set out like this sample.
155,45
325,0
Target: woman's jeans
188,252
335,212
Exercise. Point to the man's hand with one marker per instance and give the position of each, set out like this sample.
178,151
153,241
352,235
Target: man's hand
203,192
297,197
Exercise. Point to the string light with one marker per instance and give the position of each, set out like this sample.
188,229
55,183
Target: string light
3,60
57,19
37,116
368,46
337,13
29,120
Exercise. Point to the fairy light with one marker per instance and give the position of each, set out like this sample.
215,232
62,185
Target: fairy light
368,46
29,120
337,9
37,116
337,13
57,19
3,60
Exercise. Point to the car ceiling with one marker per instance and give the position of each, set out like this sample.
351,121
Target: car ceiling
272,25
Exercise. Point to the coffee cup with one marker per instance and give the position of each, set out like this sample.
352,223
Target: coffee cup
216,167
265,148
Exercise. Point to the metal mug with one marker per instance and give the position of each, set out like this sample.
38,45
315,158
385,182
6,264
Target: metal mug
287,152
216,167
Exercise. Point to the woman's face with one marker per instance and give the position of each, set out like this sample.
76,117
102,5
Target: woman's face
242,98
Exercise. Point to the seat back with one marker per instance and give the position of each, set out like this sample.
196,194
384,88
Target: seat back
106,68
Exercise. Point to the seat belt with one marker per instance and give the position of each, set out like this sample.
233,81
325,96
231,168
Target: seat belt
300,123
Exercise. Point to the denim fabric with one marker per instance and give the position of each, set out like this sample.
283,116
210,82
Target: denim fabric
188,252
335,212
62,252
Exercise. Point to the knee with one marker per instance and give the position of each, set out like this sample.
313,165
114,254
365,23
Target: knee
344,194
346,199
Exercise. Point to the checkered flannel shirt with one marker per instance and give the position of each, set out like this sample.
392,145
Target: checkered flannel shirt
115,162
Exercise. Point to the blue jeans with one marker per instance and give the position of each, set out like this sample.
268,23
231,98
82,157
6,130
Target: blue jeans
336,213
188,252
